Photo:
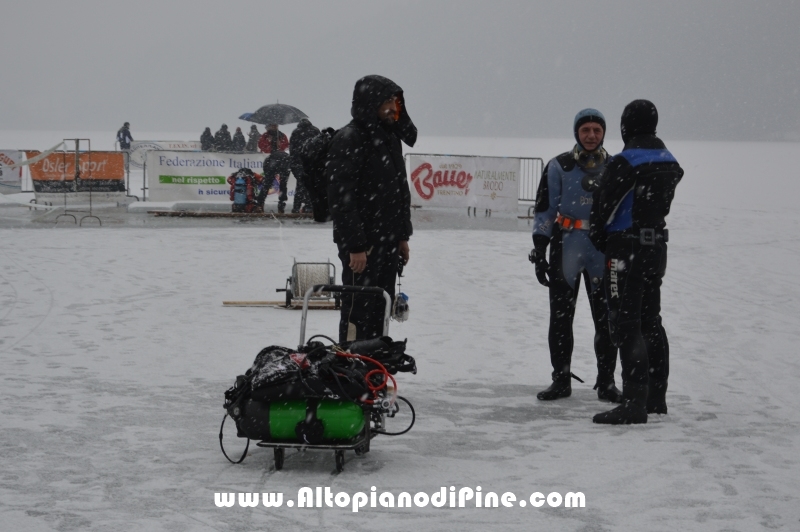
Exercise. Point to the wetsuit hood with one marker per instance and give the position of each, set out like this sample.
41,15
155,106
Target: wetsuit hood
585,116
640,117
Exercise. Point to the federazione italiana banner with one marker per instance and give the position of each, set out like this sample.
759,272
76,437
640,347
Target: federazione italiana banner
460,182
199,176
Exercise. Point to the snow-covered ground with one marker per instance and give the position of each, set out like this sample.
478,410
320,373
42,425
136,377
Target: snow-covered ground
115,352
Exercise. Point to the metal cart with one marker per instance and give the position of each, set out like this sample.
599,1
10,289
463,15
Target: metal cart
374,414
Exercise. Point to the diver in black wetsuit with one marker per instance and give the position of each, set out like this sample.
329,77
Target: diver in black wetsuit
628,222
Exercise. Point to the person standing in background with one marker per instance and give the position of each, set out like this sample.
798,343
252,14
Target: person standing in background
238,140
207,140
252,140
124,137
304,131
222,139
273,139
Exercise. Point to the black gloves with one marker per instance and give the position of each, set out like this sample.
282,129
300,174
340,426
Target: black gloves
538,256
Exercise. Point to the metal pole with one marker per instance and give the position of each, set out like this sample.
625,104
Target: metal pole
127,162
91,177
77,163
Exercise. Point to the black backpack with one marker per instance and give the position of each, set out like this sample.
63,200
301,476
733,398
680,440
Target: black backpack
313,155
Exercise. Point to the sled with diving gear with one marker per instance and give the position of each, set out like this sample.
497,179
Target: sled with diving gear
321,395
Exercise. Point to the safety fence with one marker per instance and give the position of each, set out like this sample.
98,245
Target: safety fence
530,170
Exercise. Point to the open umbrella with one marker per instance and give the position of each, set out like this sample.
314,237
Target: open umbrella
275,113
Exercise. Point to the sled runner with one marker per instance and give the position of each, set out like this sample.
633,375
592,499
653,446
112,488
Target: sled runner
321,396
295,305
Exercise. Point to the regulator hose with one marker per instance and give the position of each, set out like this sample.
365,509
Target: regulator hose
223,448
413,419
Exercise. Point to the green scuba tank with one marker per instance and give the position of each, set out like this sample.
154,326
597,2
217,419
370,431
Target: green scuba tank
341,420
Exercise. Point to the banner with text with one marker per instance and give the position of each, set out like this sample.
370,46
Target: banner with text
100,171
200,176
10,178
459,181
139,148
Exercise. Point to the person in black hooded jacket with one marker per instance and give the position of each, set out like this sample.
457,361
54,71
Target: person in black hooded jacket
627,222
238,142
304,131
252,140
207,140
369,200
222,139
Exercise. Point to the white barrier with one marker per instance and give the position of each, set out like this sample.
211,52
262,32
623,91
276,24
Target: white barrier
139,148
200,176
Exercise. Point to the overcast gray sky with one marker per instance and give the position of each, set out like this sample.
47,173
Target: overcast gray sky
717,70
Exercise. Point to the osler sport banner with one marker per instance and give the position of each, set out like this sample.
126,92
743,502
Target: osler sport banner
459,182
202,176
10,178
100,171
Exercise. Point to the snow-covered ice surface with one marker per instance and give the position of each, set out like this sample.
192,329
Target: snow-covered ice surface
115,352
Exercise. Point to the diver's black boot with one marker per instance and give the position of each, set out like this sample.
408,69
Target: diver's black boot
657,397
633,409
607,390
561,387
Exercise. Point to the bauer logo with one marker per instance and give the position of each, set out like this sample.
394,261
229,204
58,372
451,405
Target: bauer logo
426,181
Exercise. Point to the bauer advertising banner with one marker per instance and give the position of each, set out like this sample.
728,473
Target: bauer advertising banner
459,182
200,176
10,178
139,148
100,171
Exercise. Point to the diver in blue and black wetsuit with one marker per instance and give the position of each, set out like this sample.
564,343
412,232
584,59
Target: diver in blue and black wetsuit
628,222
563,203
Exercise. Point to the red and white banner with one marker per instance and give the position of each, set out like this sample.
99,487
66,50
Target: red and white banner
10,171
458,182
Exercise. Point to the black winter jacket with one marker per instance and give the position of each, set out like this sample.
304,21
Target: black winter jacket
368,191
304,131
277,163
252,141
238,141
222,140
207,140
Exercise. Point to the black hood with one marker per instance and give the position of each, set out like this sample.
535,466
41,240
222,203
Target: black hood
304,131
640,117
368,95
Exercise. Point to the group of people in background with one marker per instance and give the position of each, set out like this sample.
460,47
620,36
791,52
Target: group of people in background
277,167
222,141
